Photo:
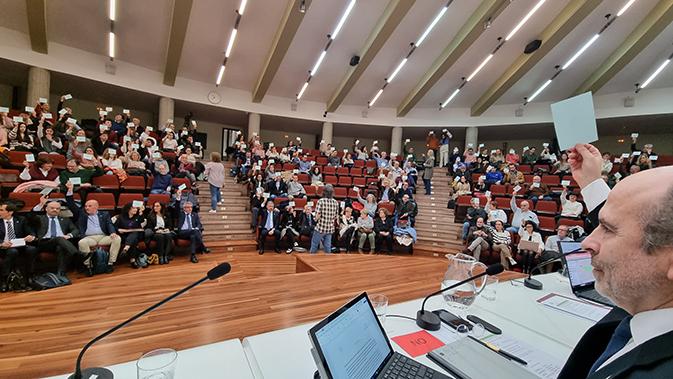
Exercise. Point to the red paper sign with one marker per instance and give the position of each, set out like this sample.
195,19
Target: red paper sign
418,343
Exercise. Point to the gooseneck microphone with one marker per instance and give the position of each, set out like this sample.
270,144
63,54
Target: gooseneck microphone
104,373
430,321
535,284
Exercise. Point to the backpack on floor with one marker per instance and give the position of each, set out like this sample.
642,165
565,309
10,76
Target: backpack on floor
15,281
48,281
99,261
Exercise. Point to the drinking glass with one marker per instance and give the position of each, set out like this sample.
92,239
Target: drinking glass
157,364
380,304
489,291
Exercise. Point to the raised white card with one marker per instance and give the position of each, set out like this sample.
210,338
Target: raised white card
137,203
43,100
516,189
17,119
625,155
88,157
30,158
634,135
47,116
618,160
108,109
266,194
46,191
135,146
193,122
469,145
545,144
112,151
76,181
80,139
291,204
180,147
342,204
127,138
102,113
156,155
535,185
4,110
197,144
295,171
636,153
565,183
62,112
126,111
71,120
272,161
67,96
149,128
481,145
182,187
618,175
310,203
653,157
575,121
170,120
30,109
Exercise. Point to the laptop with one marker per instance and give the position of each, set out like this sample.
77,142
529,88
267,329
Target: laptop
351,344
581,277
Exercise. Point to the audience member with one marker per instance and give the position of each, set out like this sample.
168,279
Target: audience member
478,238
502,240
366,231
427,171
12,228
570,207
538,190
383,229
289,222
494,214
327,212
159,228
190,228
56,234
521,215
215,176
473,213
96,229
42,169
551,249
528,233
369,204
294,188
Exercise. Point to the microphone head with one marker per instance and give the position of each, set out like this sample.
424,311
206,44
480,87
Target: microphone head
495,269
223,269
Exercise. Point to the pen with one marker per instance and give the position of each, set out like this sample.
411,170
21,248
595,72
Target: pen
502,352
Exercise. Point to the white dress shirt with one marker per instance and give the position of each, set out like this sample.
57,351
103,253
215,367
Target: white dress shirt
595,193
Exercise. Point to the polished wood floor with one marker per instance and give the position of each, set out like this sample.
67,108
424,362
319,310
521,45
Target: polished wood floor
41,333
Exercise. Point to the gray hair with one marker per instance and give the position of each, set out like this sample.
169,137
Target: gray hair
328,191
658,229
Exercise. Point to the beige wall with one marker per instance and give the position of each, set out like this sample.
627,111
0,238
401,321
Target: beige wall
5,95
214,131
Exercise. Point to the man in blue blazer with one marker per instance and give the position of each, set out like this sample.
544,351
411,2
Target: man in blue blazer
189,227
269,225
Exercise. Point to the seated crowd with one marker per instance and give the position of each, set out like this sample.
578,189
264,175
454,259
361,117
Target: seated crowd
502,200
68,178
374,194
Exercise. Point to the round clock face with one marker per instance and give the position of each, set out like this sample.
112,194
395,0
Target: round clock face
214,97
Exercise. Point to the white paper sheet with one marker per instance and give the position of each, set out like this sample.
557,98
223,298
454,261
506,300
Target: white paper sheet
539,362
575,121
573,306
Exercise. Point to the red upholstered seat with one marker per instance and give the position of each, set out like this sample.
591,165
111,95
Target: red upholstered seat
158,197
133,183
106,182
547,224
340,192
330,179
106,201
125,198
546,207
387,205
329,170
345,181
30,199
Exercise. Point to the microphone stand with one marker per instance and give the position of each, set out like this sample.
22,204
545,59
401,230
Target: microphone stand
535,284
104,373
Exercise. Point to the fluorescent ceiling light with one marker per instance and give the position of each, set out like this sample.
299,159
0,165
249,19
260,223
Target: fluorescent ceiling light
432,25
219,76
625,7
301,92
314,70
343,19
488,58
111,47
580,51
656,72
113,9
523,20
376,97
230,45
397,69
539,90
241,9
445,103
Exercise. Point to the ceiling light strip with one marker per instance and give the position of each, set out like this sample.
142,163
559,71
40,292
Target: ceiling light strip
579,52
232,40
111,49
414,45
656,72
501,42
323,53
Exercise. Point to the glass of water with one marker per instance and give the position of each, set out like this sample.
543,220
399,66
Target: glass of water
380,304
157,364
489,291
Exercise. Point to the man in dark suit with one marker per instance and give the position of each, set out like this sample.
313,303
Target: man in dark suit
269,225
277,187
632,256
190,228
13,228
55,234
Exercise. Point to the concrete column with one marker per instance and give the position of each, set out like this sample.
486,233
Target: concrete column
396,141
166,110
38,85
471,135
327,127
254,121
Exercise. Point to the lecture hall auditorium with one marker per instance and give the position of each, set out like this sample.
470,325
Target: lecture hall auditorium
142,145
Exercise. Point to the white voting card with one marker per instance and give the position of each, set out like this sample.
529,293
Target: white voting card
575,121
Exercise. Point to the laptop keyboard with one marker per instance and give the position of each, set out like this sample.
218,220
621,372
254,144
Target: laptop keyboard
405,368
595,296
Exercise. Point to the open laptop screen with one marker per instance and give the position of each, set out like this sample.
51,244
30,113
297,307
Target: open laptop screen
567,247
580,271
351,341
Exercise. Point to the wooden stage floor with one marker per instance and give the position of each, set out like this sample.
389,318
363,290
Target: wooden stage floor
41,333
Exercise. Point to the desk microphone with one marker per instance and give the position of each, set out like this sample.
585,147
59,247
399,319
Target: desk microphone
430,321
536,284
104,373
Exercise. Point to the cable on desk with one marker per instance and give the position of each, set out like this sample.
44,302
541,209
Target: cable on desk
401,316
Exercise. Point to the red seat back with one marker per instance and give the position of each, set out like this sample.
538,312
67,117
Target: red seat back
110,182
106,201
331,179
158,197
546,207
30,199
329,170
125,198
386,205
343,171
135,183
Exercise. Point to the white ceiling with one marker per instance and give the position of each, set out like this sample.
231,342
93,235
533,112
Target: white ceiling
143,27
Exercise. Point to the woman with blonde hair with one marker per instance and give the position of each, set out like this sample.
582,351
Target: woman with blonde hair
215,176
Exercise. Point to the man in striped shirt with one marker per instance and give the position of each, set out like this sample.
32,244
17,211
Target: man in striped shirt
327,212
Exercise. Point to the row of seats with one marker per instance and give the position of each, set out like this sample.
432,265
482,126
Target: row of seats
106,200
299,203
550,180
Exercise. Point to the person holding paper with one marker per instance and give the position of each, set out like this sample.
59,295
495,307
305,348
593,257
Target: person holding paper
102,143
469,157
512,158
406,209
497,158
180,197
538,190
84,175
444,148
347,160
644,162
369,204
366,231
432,143
162,181
648,148
530,156
15,234
606,166
570,207
460,187
269,225
502,241
347,228
294,188
159,228
129,226
632,258
493,176
478,239
521,214
277,187
56,234
494,214
289,227
190,228
42,169
562,167
50,142
169,143
473,213
529,256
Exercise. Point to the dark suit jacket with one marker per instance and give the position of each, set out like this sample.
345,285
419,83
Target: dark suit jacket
67,226
152,221
271,188
196,221
264,214
21,228
104,220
